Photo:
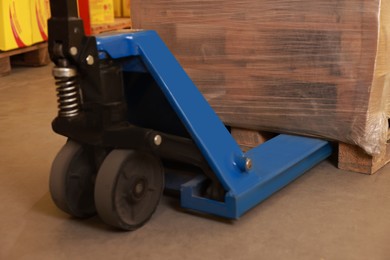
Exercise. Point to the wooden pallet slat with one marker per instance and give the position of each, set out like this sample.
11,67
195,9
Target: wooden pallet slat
353,158
248,139
5,66
119,23
35,55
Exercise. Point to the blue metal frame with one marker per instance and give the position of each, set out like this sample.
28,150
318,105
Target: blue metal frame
275,163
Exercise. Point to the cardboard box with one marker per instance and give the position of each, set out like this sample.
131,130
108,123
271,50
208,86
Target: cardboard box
126,8
40,13
317,68
101,11
15,24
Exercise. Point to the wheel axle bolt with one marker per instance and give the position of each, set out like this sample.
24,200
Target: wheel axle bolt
139,188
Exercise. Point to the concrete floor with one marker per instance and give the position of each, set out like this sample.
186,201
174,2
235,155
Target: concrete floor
326,214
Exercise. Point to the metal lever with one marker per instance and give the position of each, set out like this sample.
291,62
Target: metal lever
63,8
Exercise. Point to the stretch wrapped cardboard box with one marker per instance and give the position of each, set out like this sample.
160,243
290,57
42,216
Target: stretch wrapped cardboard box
318,68
40,13
101,11
15,24
23,23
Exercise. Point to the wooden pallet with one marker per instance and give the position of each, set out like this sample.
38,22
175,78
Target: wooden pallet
35,55
349,157
120,23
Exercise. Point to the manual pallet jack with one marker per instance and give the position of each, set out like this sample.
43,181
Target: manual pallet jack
137,125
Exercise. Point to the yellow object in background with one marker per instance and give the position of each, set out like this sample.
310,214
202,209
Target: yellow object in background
40,12
15,24
126,8
101,11
118,8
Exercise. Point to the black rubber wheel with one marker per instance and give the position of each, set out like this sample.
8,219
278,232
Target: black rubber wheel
128,188
72,180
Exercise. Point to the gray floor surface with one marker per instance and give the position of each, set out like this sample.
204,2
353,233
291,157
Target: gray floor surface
325,214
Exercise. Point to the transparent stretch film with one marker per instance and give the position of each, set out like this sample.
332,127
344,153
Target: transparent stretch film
318,68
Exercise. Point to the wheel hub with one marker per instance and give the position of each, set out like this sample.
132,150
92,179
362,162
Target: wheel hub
138,189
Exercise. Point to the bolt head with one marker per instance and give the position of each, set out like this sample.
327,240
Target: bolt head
90,60
73,51
248,164
157,140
